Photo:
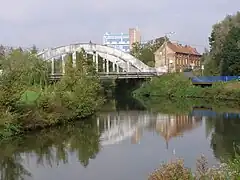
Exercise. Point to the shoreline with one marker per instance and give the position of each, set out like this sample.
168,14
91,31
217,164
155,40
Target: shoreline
178,86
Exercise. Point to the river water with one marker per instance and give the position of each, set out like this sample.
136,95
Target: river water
124,141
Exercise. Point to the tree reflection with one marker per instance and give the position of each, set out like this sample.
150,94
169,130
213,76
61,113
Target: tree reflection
12,169
50,147
225,138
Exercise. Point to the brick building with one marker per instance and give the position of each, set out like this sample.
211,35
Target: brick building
177,57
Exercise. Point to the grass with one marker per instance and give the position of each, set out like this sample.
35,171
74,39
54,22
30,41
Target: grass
29,97
177,85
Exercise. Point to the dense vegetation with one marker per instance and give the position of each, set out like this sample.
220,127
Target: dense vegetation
177,85
176,170
28,100
223,57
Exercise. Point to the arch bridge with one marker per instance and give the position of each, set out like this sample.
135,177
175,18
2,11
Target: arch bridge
115,63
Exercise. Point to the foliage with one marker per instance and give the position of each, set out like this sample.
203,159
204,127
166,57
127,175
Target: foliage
176,170
51,147
217,42
230,56
21,70
145,52
27,94
34,50
177,85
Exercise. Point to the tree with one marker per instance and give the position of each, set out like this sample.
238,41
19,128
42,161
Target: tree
217,39
34,50
2,54
230,56
145,52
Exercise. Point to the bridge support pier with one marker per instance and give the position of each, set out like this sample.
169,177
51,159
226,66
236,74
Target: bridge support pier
96,62
94,58
103,64
117,68
52,66
113,67
63,63
107,65
74,58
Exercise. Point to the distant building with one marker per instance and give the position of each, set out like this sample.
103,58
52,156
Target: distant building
177,57
134,36
122,41
118,41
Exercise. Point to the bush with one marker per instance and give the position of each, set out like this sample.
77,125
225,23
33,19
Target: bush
177,85
27,94
175,170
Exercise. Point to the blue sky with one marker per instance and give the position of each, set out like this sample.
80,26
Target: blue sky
49,23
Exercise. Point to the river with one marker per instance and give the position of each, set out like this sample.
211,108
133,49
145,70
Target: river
123,141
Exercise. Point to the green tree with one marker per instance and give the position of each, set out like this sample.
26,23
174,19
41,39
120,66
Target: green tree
145,52
216,41
34,50
230,56
20,71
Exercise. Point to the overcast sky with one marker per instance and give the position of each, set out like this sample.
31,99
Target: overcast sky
48,23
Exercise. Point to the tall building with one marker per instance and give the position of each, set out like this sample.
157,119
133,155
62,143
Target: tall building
122,41
118,41
134,36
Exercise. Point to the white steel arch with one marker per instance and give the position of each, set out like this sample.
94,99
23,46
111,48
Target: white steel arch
126,61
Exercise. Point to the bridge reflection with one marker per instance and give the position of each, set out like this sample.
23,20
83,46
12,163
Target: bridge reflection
118,126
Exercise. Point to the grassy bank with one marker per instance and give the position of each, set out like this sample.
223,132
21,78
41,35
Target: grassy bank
186,105
29,101
177,85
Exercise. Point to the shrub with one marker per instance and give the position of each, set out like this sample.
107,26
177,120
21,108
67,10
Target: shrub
27,95
175,170
177,85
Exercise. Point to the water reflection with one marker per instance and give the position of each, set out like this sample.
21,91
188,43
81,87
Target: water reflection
116,132
118,126
49,148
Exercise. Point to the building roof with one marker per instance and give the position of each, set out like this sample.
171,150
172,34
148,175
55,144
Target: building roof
178,48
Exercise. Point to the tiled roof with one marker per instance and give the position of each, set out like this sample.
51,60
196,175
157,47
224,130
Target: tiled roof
178,48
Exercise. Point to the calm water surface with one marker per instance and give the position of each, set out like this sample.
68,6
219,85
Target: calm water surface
122,142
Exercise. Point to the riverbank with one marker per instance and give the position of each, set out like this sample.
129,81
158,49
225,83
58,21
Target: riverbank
178,86
29,101
186,105
177,170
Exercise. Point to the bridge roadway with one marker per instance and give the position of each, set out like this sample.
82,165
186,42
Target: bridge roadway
114,75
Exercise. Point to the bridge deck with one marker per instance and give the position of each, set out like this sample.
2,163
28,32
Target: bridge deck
115,75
